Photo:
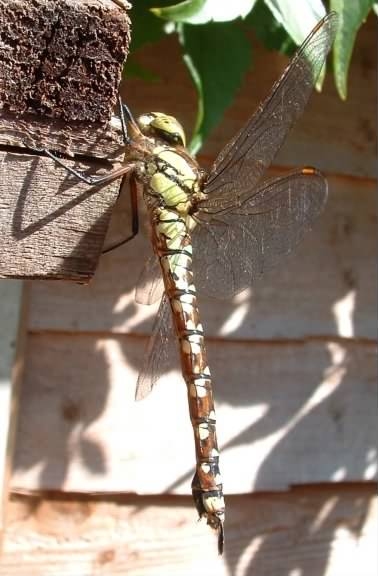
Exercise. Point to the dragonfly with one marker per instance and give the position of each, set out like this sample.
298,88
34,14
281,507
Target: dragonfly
216,231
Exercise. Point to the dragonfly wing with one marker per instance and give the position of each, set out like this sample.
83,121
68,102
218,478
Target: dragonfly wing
150,286
239,245
241,163
160,353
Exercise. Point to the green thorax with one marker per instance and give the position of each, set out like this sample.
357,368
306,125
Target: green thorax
172,178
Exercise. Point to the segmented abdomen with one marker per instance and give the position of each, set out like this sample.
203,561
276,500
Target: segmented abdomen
172,242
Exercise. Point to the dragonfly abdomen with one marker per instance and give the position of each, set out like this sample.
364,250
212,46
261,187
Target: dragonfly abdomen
173,246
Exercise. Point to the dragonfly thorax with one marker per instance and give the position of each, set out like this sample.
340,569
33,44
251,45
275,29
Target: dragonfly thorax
171,178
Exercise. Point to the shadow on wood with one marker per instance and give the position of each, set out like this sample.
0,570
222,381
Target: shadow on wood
52,225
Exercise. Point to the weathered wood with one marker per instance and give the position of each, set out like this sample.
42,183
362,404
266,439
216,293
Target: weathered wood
12,338
94,140
314,531
287,413
328,286
51,225
62,58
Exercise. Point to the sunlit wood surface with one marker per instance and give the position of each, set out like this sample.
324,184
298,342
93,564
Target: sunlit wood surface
294,362
308,531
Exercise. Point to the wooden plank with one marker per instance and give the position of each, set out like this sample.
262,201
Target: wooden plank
328,286
61,63
63,59
12,322
94,140
51,225
293,412
326,531
337,137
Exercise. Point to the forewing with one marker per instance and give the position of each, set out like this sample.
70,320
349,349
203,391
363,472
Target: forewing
150,286
161,352
241,163
239,245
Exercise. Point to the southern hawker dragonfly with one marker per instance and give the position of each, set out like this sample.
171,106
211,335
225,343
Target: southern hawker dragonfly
216,231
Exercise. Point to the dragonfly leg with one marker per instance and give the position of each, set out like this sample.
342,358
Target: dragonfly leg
122,115
125,116
134,214
90,180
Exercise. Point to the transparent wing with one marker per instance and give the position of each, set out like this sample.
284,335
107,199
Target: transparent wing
238,245
243,229
161,352
150,286
241,163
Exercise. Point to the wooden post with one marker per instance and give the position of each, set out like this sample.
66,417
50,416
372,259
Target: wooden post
61,64
12,339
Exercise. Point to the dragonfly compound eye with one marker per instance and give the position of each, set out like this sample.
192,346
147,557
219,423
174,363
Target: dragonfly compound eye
162,126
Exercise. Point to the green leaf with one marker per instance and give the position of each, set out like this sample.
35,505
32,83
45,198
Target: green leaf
182,12
270,32
217,56
146,28
352,15
203,11
298,17
133,69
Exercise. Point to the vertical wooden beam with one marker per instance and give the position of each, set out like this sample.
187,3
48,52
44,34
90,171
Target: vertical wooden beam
12,337
61,64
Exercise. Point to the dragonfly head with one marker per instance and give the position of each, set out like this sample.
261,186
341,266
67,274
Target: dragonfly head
162,126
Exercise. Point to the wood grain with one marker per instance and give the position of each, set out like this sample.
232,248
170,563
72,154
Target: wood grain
317,531
12,354
91,140
290,413
327,287
51,225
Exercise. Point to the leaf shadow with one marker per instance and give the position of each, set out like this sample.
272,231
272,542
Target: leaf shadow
306,520
87,374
